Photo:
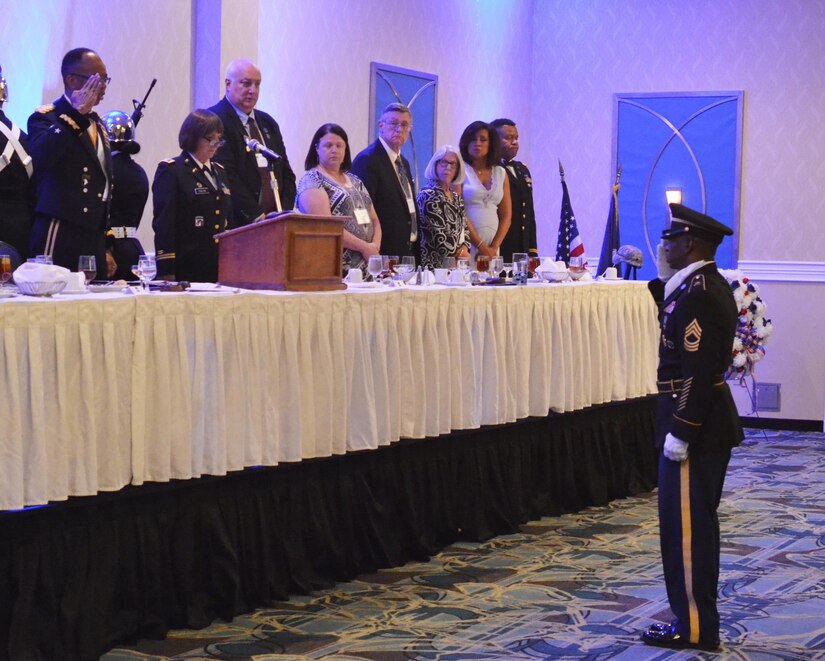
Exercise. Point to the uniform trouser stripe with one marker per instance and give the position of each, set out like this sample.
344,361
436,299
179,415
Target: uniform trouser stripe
687,557
51,237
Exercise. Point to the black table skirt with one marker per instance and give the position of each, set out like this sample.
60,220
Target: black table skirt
79,577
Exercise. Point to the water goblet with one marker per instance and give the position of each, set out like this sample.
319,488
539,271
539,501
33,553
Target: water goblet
147,270
463,266
87,265
496,265
390,261
375,265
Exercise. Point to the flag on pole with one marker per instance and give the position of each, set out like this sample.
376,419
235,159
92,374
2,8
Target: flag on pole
569,243
610,244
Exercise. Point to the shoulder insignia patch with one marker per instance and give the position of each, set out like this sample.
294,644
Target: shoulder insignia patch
693,336
217,165
169,160
70,121
44,109
698,283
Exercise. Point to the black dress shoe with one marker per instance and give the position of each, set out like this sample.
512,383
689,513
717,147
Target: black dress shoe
666,635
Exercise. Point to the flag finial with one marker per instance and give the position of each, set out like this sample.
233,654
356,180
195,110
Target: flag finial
561,170
619,173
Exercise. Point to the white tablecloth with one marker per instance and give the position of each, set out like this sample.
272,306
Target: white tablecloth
106,390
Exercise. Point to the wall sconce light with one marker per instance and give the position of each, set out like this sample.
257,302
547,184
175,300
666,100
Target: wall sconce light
673,195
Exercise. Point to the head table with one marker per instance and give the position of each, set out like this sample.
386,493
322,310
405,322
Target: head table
100,391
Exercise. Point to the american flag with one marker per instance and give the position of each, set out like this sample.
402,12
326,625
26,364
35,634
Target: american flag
570,243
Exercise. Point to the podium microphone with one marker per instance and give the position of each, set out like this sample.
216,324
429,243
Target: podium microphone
256,146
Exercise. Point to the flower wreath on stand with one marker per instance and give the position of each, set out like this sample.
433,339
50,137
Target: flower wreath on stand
752,331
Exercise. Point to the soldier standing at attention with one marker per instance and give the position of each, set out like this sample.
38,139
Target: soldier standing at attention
521,237
697,425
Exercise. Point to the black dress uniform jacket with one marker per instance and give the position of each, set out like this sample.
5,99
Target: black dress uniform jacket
698,322
70,179
521,237
130,190
374,167
16,195
242,167
188,212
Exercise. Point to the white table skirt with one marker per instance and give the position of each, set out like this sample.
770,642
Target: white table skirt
103,390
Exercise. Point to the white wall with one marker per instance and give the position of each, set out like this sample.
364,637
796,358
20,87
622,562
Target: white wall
585,51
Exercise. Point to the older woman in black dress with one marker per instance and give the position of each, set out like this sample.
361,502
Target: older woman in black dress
443,225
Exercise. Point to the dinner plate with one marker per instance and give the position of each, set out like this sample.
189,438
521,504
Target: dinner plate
106,289
454,284
364,285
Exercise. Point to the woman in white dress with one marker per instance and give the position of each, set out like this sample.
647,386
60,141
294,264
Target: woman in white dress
486,189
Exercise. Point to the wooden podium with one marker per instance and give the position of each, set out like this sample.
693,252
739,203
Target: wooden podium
293,251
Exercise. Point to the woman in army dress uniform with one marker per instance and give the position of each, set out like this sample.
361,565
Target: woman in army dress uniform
191,202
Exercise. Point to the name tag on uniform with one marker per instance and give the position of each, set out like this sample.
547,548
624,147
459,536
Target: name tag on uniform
198,221
201,190
362,216
260,159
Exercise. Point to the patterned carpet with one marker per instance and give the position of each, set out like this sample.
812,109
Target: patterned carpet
573,587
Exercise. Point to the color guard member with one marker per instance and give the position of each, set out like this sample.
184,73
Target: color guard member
697,425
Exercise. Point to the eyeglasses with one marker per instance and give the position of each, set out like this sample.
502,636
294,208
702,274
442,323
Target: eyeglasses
448,164
218,142
395,125
106,80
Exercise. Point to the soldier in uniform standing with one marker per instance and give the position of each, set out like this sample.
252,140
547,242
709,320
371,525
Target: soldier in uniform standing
697,425
16,188
73,167
130,190
191,202
521,237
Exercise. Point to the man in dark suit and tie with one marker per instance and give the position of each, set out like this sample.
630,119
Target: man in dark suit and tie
259,184
521,237
388,178
73,167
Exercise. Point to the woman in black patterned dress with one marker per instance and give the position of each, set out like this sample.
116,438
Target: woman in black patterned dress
443,224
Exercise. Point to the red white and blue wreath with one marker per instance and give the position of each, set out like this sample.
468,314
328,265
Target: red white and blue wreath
754,328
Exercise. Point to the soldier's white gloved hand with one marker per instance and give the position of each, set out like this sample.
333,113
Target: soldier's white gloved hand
674,449
662,267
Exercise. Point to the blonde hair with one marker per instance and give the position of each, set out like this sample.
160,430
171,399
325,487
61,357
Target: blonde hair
460,174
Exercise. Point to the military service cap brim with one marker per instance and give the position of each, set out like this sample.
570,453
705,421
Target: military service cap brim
690,222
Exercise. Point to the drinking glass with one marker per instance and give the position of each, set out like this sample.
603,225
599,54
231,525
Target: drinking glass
533,263
576,264
390,262
448,263
44,259
136,271
463,266
5,269
87,265
147,270
507,270
496,266
375,265
482,263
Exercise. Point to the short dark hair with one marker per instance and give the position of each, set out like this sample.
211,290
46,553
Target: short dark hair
502,121
312,155
198,124
494,153
72,59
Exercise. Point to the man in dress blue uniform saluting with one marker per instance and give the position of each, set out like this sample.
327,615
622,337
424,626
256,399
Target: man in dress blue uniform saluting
697,425
73,167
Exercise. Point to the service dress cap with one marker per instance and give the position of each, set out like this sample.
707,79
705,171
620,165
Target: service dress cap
688,221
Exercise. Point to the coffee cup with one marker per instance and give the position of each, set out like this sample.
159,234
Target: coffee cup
610,273
354,276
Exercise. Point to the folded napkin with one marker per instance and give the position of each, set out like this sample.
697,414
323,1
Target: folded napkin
548,264
34,272
427,277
